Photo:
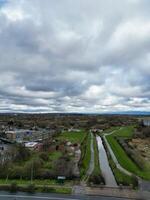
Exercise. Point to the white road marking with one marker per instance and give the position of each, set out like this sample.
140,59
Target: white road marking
37,197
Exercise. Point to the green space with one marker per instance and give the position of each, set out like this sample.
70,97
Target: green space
72,136
122,157
109,130
14,186
121,178
42,182
31,164
54,155
85,156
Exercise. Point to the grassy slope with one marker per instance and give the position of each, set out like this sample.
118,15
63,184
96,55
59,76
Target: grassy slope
87,156
96,159
120,177
121,155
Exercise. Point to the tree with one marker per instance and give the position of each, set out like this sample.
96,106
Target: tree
22,153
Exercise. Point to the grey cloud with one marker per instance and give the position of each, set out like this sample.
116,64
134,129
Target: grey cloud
84,56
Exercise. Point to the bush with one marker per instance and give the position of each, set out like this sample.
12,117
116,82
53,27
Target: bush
48,189
44,156
64,167
22,154
34,165
16,172
96,179
31,188
13,187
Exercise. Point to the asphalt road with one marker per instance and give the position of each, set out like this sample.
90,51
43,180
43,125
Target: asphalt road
39,196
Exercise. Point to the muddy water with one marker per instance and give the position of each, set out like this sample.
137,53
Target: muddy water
104,165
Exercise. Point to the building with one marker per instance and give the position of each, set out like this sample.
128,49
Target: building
31,145
11,135
146,122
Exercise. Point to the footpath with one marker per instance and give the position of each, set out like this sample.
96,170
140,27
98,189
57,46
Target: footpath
112,192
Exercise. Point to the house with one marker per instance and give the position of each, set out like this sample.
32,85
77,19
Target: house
31,145
11,135
73,130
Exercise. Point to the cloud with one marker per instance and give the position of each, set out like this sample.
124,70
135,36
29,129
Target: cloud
74,56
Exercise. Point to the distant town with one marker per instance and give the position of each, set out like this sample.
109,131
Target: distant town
75,151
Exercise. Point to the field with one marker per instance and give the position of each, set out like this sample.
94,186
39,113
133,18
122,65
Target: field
74,137
122,157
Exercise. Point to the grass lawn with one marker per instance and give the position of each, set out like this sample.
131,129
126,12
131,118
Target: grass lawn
35,181
74,137
121,155
39,186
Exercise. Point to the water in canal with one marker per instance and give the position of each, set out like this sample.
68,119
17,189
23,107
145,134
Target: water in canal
104,165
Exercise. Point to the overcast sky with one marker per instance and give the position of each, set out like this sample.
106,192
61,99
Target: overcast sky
74,55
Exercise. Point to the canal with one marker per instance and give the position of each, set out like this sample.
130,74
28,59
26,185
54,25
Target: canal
104,165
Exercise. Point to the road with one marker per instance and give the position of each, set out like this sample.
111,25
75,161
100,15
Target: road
39,196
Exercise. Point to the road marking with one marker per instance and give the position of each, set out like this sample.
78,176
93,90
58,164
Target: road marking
37,197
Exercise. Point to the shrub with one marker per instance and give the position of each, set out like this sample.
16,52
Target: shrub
44,156
31,188
48,189
22,154
96,179
13,187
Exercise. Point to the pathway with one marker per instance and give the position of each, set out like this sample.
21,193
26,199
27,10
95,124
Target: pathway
114,157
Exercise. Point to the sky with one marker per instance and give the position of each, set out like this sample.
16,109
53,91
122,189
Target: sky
88,56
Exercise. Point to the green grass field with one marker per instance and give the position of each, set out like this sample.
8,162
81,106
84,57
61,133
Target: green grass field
87,156
122,156
122,178
74,137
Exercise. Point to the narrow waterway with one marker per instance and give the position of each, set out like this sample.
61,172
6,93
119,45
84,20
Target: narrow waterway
104,165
